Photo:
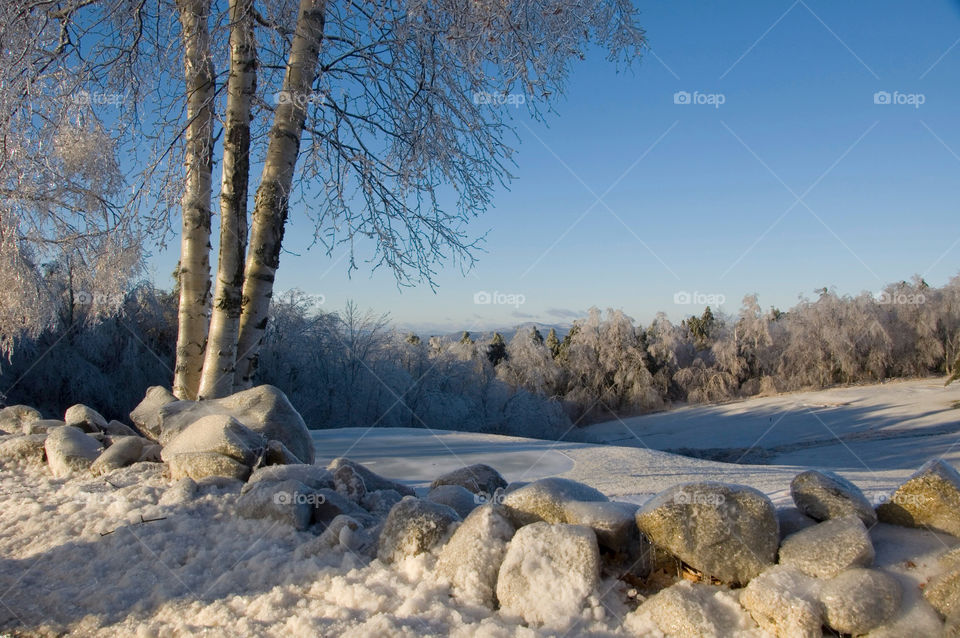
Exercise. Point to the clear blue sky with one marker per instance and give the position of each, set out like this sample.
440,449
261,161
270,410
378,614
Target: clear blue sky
699,198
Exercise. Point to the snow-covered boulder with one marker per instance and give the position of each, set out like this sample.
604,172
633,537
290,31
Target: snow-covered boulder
263,409
183,491
278,454
85,418
348,482
548,573
791,520
828,548
43,426
728,532
310,475
380,502
371,480
331,504
414,526
544,500
13,418
124,451
929,498
471,559
784,602
858,600
346,532
943,591
477,478
70,449
289,502
218,434
200,465
116,428
826,495
146,416
457,498
694,609
614,523
26,449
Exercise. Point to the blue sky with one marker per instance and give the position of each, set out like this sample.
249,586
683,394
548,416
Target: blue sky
625,198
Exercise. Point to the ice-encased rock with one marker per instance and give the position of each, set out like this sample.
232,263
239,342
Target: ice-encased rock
614,523
457,498
344,531
728,532
828,548
695,609
414,526
116,428
43,426
14,418
544,500
785,603
930,498
310,475
70,449
825,495
477,479
943,590
471,559
85,418
348,482
380,502
331,504
26,449
146,416
371,480
548,572
278,454
858,600
200,465
124,451
217,434
289,502
791,520
263,409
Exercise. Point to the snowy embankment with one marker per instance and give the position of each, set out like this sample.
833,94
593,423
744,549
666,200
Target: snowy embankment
136,553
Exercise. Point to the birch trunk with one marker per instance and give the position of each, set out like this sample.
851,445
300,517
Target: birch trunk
194,269
273,195
221,351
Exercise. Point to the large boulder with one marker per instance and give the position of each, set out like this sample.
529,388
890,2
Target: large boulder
614,523
728,532
13,418
930,498
825,495
289,502
472,557
218,434
125,450
24,450
457,498
829,548
85,418
371,480
544,500
69,450
858,600
548,573
310,475
263,409
146,416
696,610
200,465
784,602
380,502
943,590
477,478
414,526
792,520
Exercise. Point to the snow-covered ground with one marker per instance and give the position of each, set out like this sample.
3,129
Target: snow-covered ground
132,555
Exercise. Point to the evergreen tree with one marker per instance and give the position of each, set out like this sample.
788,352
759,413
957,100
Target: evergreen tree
465,338
535,336
553,343
497,350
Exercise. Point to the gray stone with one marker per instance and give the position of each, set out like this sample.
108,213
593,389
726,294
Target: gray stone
784,602
199,465
698,611
289,502
219,434
414,526
278,454
943,590
728,532
457,498
331,504
146,416
791,520
380,503
151,453
346,532
544,500
310,475
614,524
477,479
349,483
829,548
70,450
116,428
43,426
858,600
930,498
263,409
471,559
124,451
548,572
826,495
14,418
371,480
27,449
85,418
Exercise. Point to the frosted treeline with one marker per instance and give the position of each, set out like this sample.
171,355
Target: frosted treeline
353,369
